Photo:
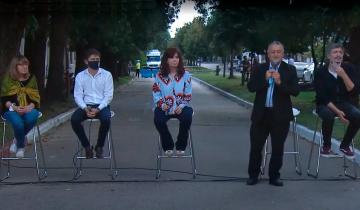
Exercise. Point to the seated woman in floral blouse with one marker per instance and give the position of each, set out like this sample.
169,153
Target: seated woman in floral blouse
172,94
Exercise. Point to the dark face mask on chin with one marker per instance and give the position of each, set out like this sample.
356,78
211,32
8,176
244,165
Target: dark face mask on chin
94,64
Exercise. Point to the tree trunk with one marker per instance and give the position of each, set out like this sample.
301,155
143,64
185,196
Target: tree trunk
12,26
353,47
231,76
224,62
80,65
35,50
323,50
313,54
55,84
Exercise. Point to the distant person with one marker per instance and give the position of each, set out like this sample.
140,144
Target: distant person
335,84
93,93
20,101
172,92
245,68
274,83
129,67
138,66
254,65
199,61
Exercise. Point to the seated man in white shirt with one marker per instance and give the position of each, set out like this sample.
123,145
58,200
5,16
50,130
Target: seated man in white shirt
93,93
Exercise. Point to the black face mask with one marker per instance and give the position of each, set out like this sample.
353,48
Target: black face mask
94,64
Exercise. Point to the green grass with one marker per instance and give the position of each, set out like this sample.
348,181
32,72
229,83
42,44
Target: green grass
304,101
50,110
122,81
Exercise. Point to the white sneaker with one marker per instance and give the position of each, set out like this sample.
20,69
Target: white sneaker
180,152
169,152
13,147
20,153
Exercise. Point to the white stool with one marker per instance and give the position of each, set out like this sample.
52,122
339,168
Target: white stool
295,152
191,155
41,174
111,153
345,166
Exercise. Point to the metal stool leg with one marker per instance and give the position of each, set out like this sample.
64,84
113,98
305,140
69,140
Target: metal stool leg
191,155
77,169
193,164
2,155
295,152
158,159
41,170
113,165
44,172
297,156
36,156
311,152
346,173
79,156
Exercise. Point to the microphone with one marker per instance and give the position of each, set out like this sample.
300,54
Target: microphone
273,66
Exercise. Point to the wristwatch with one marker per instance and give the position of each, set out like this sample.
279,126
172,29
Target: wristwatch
11,107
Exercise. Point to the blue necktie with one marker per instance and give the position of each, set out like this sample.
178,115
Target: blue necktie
269,102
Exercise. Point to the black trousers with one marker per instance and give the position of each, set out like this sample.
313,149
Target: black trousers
185,118
137,74
328,117
80,115
259,132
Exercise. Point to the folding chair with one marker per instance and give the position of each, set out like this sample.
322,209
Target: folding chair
79,156
190,155
345,166
295,152
41,174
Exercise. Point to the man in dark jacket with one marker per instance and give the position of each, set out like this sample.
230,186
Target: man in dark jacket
274,82
336,84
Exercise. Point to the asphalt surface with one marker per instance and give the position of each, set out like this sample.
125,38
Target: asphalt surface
221,140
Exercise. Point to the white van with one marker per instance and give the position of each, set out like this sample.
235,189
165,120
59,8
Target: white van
153,59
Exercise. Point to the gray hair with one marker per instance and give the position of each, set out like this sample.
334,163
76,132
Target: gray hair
332,46
276,43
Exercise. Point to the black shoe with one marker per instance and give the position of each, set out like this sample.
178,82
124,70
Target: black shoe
276,182
99,152
89,152
252,181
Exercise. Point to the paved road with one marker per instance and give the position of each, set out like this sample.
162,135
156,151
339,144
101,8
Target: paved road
221,139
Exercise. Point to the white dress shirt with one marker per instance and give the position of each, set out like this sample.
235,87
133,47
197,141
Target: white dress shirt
97,89
333,73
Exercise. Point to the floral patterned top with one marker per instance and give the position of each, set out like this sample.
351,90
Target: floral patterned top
173,92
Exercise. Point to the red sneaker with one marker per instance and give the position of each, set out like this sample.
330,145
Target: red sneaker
347,151
326,151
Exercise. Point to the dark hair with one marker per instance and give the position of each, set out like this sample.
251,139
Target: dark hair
170,53
92,51
332,46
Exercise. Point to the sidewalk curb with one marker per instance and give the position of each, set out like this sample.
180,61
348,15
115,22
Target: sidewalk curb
51,123
302,130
